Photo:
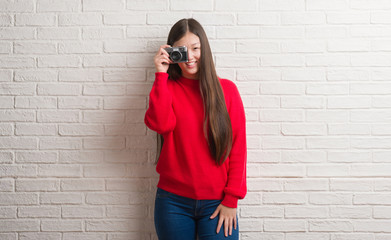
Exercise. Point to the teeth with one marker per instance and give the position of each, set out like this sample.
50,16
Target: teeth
190,63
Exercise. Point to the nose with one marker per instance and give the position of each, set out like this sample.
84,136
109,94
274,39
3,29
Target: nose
190,54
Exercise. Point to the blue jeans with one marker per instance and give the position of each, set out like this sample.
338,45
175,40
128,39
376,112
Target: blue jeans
181,218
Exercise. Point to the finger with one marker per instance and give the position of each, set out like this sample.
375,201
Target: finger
219,225
235,223
230,227
216,212
226,228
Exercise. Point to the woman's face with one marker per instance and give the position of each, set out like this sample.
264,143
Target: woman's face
192,42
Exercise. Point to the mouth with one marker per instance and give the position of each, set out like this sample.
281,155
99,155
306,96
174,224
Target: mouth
191,63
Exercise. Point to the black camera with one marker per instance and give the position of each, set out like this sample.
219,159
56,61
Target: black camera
177,54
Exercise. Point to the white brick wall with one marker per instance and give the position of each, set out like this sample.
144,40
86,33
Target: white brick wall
77,160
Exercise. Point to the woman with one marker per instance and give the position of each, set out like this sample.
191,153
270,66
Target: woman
202,163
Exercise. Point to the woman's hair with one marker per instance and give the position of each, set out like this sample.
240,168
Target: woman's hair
217,123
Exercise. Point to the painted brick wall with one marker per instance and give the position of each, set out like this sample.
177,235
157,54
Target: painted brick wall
77,160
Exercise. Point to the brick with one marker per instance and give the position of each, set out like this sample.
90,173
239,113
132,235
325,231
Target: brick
112,170
328,171
6,129
282,5
310,74
134,212
61,225
351,212
261,212
110,226
349,156
36,185
79,75
281,32
93,5
18,199
35,75
352,236
283,115
6,185
81,48
7,212
107,198
309,184
245,32
87,103
19,225
330,226
300,102
82,212
258,19
147,5
307,236
256,47
37,19
36,157
35,102
80,130
6,157
348,185
282,60
284,198
96,33
6,20
285,225
52,33
282,88
34,48
39,236
303,129
333,5
17,89
104,61
59,170
82,185
306,212
349,129
303,156
59,61
39,212
162,18
380,226
84,236
25,143
85,19
348,45
61,198
58,6
20,33
307,18
56,116
327,143
331,198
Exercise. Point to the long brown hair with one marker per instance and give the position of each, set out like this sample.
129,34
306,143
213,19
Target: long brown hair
217,123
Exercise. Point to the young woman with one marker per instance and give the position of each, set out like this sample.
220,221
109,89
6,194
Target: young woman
202,163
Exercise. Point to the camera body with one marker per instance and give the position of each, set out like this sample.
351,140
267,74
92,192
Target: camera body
178,54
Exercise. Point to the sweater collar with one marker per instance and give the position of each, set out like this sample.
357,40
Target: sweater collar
187,81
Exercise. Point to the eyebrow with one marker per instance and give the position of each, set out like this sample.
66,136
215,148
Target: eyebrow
195,43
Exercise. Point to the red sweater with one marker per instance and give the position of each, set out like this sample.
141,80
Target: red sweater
186,166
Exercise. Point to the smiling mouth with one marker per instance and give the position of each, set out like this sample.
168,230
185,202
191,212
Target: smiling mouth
191,63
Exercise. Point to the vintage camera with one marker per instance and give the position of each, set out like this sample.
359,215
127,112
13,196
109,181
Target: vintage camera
177,54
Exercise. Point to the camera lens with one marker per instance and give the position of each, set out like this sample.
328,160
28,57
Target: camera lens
176,56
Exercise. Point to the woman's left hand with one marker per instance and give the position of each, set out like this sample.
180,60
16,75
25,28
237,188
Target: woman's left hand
227,216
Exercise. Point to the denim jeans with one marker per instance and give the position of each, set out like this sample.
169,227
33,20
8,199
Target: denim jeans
181,218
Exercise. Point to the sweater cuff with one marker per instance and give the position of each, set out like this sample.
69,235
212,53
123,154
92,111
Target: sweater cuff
159,76
230,201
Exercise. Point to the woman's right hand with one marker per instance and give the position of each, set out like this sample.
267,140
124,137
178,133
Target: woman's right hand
162,59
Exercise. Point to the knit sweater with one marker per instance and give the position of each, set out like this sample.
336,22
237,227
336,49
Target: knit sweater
186,166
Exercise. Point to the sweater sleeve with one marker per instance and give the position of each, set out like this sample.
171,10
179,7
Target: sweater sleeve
236,187
160,115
